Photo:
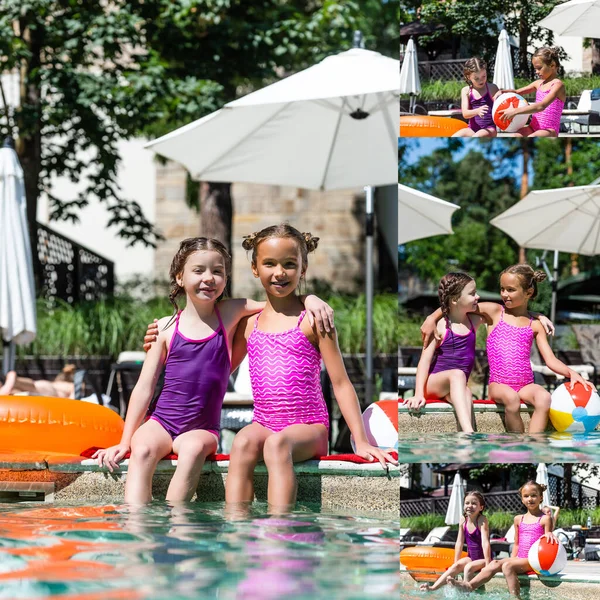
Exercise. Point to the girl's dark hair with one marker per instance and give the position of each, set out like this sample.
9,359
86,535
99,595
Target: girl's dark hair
528,278
479,497
472,66
306,241
450,288
548,55
540,486
187,248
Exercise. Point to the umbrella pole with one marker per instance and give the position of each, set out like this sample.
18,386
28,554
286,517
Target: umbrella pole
369,231
554,287
8,357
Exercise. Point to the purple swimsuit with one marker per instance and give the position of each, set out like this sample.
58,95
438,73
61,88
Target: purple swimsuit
196,376
455,352
476,123
473,540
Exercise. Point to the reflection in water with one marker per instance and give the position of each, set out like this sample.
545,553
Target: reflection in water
194,551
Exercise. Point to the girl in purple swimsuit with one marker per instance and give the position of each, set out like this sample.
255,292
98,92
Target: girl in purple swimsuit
529,528
194,345
550,97
445,366
474,531
476,101
290,422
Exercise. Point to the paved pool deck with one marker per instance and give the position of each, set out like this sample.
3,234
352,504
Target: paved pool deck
334,485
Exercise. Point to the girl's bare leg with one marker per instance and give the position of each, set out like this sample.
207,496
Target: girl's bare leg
540,399
464,132
523,132
149,444
191,448
9,384
505,395
487,132
452,386
455,569
473,567
511,570
293,444
246,452
484,576
544,133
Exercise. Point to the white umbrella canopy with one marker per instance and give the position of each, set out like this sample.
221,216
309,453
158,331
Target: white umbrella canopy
17,289
563,219
410,82
542,478
503,69
457,501
331,126
421,215
577,18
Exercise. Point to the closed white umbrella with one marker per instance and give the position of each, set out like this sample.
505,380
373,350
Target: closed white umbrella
503,69
577,18
17,290
542,478
563,219
457,501
410,82
331,126
421,215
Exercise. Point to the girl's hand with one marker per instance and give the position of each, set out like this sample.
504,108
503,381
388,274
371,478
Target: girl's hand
550,538
111,457
319,311
508,114
151,335
482,111
547,324
365,450
429,330
577,378
415,403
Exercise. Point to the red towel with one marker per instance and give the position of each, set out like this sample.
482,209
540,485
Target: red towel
343,457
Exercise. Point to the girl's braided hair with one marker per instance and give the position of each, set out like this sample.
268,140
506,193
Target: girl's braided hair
450,288
472,66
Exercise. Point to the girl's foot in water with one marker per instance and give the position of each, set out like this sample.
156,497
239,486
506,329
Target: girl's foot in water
464,586
425,587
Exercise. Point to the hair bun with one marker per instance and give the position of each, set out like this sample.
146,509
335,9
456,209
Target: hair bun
249,241
311,241
539,276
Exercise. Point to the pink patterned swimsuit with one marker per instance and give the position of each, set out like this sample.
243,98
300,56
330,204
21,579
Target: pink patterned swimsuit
549,118
529,534
285,371
509,351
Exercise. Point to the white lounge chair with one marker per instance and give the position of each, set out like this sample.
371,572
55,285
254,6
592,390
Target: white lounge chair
587,112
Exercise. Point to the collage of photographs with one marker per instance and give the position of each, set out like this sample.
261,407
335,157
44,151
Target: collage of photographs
499,299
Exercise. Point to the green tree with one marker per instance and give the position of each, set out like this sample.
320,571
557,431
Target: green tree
92,73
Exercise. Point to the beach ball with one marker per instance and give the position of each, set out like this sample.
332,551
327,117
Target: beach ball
576,410
501,103
546,558
381,424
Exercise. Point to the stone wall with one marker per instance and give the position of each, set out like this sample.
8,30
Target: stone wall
336,217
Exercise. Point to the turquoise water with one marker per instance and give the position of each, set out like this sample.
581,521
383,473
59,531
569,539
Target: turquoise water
194,551
499,447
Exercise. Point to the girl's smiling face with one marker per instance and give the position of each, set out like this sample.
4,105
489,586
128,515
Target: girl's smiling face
479,78
278,265
531,497
512,292
468,298
472,506
542,70
204,275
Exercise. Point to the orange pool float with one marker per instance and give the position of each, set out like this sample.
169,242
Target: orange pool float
427,563
427,126
56,425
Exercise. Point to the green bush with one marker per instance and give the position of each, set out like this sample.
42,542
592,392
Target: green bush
112,326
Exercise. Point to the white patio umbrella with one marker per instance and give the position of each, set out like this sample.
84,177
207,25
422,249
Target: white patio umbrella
331,126
563,219
542,478
421,215
409,74
577,18
457,501
17,290
503,69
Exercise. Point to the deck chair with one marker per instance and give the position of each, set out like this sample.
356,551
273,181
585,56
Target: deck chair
586,113
588,338
503,544
436,535
125,373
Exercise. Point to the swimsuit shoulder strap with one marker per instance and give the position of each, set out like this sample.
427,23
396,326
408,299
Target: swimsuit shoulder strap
301,317
219,317
256,320
177,321
502,313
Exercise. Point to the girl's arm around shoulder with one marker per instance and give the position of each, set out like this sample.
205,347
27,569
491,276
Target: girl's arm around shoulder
346,396
238,350
489,311
234,309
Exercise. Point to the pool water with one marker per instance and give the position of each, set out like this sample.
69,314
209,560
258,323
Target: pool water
499,447
194,551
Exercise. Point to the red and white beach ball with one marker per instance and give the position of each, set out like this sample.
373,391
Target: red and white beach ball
546,558
576,410
381,424
501,103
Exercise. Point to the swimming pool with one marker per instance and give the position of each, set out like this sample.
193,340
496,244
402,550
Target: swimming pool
499,447
195,550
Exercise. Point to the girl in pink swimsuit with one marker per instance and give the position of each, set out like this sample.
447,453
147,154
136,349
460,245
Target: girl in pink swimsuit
290,417
510,336
529,528
550,97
